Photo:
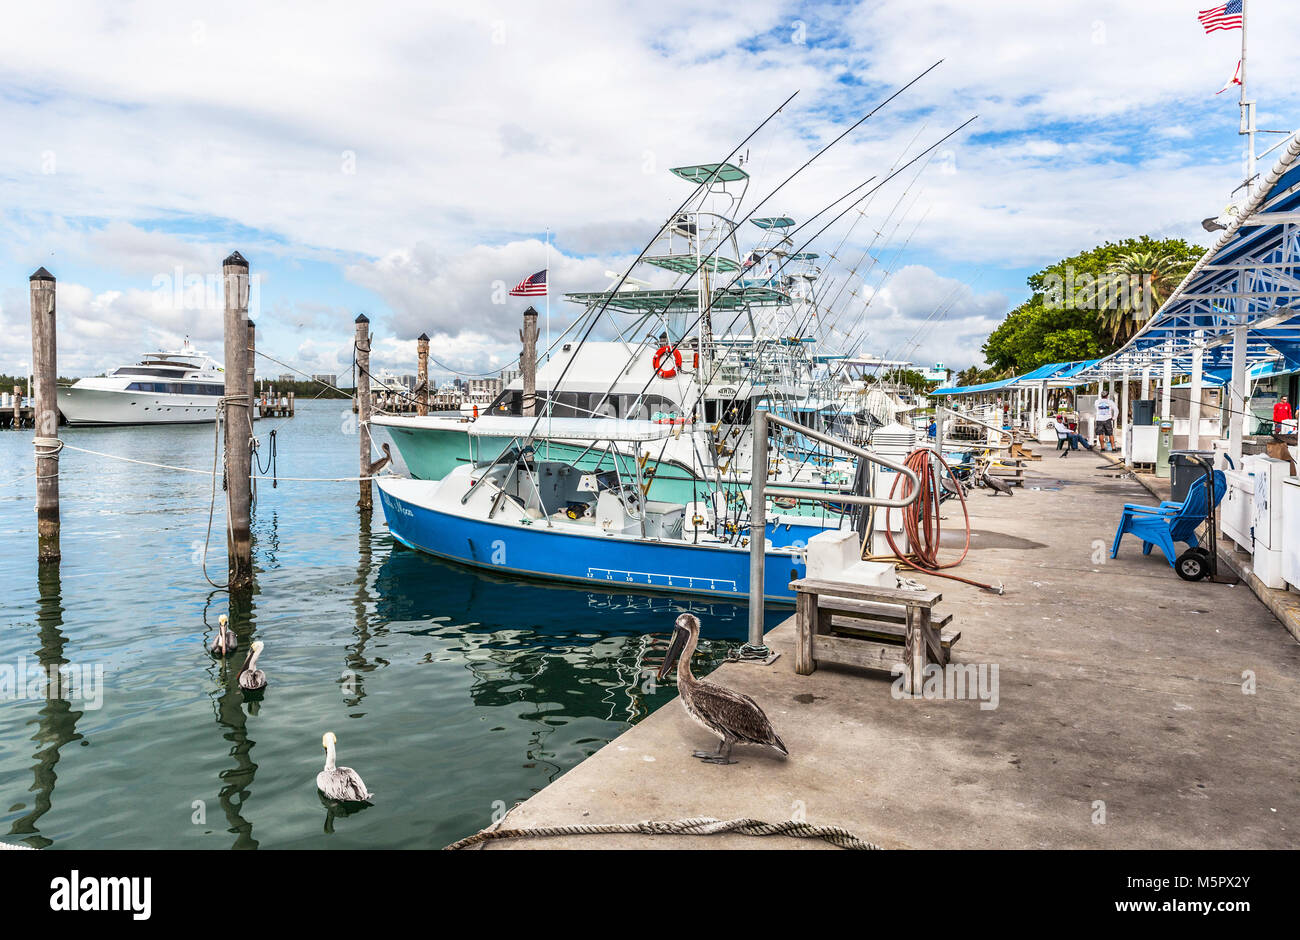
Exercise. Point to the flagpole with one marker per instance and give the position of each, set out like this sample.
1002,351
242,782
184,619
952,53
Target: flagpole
1247,107
548,293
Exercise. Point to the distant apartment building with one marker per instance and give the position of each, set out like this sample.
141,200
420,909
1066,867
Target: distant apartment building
327,379
483,389
508,376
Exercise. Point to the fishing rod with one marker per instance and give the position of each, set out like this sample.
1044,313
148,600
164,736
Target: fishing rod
701,188
807,242
703,261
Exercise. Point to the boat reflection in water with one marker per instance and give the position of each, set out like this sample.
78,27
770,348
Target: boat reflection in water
571,653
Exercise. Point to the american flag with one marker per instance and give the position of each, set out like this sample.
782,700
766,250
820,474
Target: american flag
1227,16
534,286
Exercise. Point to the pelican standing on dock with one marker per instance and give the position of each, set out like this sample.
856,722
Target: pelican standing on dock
730,715
340,783
252,679
225,643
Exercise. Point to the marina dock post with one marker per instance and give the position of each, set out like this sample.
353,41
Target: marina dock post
528,362
45,415
252,368
18,407
757,531
422,375
238,406
366,502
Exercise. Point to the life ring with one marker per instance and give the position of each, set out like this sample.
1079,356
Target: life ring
660,355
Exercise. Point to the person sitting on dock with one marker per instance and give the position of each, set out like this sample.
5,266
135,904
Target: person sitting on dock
1065,436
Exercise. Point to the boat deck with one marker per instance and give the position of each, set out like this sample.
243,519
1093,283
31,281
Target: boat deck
1120,698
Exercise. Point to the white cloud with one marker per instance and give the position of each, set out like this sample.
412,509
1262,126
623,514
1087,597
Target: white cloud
423,148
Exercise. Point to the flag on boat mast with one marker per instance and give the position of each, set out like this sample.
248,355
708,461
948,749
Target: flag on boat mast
1235,80
1227,16
534,286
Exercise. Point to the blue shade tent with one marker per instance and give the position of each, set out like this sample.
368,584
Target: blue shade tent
1239,306
1056,374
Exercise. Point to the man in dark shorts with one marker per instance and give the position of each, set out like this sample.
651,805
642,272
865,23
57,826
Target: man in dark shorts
1105,422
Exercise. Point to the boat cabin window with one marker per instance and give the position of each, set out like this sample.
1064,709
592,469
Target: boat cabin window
176,388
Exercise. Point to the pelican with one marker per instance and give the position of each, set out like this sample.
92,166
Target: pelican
225,643
251,678
996,485
340,783
730,715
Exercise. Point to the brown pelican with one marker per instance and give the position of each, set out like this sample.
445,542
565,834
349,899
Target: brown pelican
377,465
251,678
225,642
996,485
340,783
730,715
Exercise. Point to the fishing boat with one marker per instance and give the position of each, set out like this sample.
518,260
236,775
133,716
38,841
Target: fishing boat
183,386
668,363
519,509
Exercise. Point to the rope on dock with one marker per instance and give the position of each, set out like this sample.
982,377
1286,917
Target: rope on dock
695,826
164,466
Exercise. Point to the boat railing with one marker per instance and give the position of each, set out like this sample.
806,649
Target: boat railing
760,490
943,415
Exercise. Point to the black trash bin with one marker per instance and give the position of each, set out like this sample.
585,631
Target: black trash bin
1184,470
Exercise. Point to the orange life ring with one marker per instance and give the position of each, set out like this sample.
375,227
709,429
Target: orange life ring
669,372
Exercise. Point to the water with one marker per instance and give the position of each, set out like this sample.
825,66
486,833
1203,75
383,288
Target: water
454,694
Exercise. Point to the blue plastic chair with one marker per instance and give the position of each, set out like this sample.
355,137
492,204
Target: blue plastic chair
1164,525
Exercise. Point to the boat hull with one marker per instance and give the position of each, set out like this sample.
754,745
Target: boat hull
91,407
531,549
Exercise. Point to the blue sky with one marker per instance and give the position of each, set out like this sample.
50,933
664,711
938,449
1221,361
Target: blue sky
404,161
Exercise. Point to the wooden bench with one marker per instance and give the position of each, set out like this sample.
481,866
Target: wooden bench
870,627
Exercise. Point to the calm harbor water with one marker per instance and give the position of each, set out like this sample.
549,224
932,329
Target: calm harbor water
453,693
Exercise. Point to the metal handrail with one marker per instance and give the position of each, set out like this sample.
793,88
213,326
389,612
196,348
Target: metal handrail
758,505
941,411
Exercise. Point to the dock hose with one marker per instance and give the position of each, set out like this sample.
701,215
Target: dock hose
921,523
695,826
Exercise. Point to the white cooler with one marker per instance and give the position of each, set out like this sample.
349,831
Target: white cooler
1291,531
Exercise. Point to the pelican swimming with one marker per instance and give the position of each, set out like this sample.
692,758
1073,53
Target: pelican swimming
730,715
225,643
340,783
251,678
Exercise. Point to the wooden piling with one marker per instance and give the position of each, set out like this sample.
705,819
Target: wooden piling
18,407
252,367
528,362
291,404
45,415
366,502
239,418
422,375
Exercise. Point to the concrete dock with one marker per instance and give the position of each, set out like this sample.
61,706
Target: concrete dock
1135,710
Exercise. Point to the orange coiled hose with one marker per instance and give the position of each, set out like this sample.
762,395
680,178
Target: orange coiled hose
921,523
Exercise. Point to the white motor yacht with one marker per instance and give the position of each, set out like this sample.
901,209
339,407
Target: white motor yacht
180,387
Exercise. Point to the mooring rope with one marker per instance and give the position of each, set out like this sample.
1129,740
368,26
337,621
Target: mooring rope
695,826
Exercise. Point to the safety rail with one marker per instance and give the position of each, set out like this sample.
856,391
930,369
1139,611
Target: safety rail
760,490
941,414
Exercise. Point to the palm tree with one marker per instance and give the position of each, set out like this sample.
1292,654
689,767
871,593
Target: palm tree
1133,288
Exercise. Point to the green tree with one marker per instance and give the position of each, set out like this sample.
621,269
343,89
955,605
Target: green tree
1085,306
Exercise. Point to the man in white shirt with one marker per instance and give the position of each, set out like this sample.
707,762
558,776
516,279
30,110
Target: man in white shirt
1105,421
